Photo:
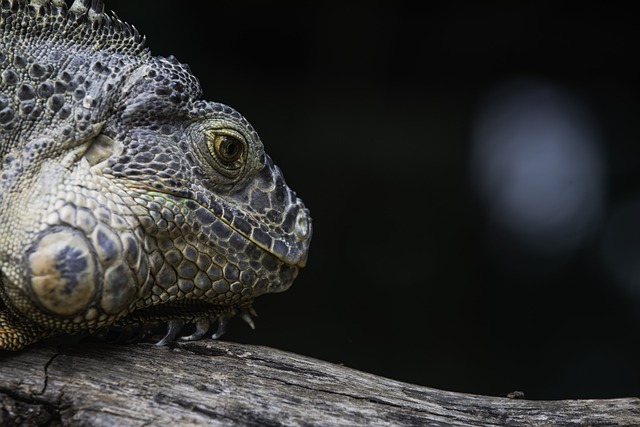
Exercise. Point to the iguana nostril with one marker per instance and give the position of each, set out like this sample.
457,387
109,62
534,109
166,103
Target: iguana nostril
62,270
303,225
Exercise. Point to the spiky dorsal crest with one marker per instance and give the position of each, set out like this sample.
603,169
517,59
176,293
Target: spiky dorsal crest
84,23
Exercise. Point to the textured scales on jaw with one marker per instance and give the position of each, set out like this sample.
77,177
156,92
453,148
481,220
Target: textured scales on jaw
125,200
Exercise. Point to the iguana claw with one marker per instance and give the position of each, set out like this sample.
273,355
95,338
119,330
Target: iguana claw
202,326
223,324
173,329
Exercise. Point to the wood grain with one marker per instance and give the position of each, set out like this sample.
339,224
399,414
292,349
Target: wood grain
217,383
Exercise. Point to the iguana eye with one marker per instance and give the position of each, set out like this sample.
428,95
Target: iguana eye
227,148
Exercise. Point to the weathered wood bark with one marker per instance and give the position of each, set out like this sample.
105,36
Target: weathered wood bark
222,383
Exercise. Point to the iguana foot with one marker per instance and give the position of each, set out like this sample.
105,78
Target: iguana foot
177,315
202,327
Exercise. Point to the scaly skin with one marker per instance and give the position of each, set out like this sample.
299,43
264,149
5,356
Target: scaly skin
123,197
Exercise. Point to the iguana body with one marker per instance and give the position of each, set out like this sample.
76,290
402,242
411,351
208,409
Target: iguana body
123,197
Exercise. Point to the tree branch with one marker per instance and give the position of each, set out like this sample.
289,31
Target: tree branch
222,383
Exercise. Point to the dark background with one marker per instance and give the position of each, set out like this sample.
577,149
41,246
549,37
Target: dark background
370,110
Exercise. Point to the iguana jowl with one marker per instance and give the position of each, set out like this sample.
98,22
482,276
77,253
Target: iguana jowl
124,198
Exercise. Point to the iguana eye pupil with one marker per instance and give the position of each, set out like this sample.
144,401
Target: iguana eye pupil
228,148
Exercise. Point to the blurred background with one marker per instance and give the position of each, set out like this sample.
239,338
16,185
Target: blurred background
473,174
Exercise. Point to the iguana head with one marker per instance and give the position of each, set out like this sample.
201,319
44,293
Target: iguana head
123,195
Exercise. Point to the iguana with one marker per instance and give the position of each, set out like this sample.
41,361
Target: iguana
124,198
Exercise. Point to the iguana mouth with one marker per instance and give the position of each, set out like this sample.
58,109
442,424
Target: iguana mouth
290,246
